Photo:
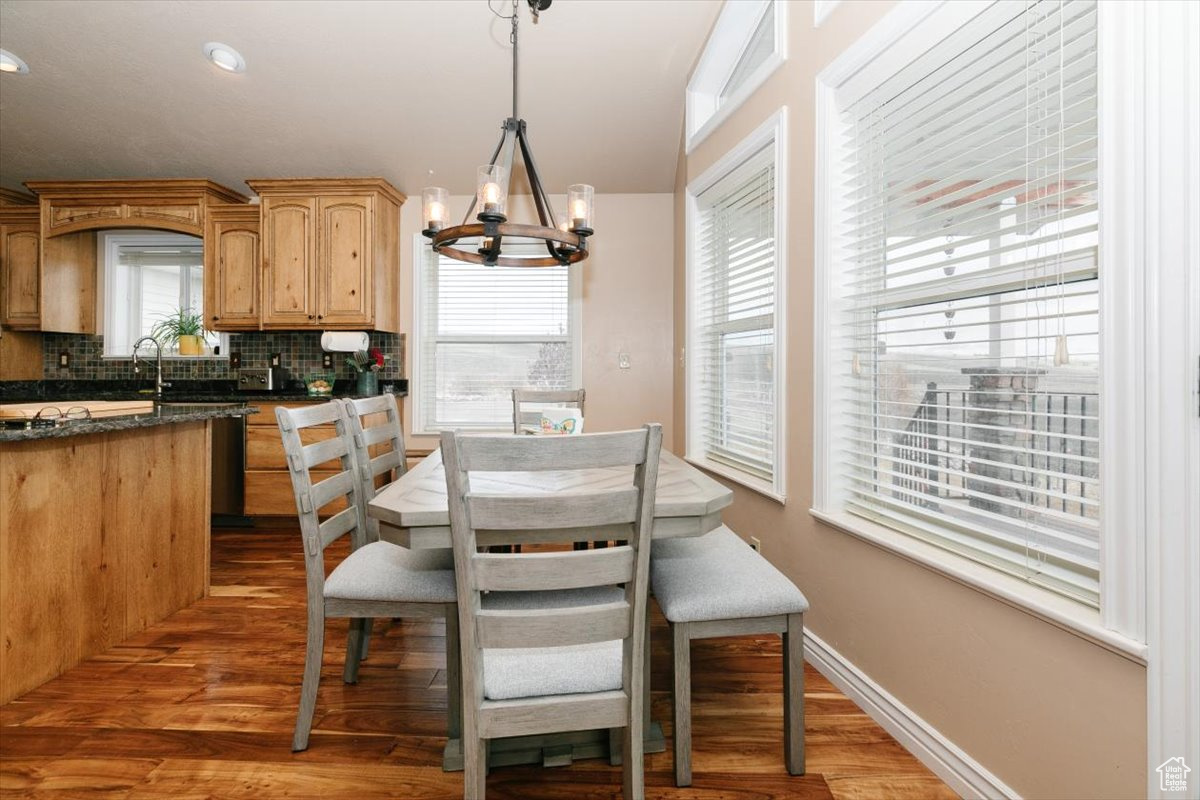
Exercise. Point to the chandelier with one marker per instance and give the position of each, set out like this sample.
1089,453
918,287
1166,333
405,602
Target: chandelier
484,241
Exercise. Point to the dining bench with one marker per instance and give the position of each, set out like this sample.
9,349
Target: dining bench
717,585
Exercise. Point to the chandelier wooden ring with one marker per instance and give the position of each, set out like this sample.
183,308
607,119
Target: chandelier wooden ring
445,239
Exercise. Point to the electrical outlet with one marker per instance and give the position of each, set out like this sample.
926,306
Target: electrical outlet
235,359
756,544
326,360
276,359
64,359
623,360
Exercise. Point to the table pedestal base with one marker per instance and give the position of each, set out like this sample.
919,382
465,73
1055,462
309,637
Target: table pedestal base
549,750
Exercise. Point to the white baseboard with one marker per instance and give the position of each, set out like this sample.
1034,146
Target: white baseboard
961,773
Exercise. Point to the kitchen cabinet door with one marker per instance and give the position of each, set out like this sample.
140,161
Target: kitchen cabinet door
344,264
289,294
20,274
231,270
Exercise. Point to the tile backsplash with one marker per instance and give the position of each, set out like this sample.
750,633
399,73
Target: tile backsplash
300,354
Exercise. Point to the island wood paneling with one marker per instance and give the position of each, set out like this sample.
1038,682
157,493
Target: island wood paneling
203,704
100,536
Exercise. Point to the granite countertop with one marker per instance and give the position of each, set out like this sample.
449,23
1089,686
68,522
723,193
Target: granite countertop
217,391
164,414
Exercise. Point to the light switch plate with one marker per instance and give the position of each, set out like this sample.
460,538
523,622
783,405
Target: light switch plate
276,359
64,359
623,360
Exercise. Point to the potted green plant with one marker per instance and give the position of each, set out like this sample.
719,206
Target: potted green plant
183,328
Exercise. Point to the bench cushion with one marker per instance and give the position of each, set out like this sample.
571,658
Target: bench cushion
510,673
382,571
718,576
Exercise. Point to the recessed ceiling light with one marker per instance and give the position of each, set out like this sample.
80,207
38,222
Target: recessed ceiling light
225,57
10,63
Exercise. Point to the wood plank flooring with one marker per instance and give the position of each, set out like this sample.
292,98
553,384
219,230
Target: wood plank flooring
202,705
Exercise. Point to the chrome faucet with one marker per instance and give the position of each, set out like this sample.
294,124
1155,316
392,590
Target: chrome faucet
159,383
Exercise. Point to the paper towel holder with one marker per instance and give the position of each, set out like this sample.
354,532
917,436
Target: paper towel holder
345,341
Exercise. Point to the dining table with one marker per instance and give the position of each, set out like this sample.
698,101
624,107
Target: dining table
412,511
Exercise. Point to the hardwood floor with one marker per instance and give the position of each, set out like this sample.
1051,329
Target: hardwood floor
203,703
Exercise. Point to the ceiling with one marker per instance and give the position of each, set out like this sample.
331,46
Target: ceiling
121,89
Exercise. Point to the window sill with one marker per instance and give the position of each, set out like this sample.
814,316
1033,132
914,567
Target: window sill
1047,606
740,478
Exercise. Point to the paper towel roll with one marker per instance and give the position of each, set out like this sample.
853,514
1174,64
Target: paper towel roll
344,341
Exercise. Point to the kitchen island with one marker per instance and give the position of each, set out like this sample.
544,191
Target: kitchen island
104,530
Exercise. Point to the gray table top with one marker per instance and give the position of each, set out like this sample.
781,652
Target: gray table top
418,498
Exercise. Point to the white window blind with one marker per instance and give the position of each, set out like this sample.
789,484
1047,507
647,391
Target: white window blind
150,276
485,331
968,381
734,276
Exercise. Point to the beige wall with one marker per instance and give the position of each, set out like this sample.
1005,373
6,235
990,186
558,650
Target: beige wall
627,306
1047,712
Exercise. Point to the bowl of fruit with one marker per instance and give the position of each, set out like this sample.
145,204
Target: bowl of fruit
320,384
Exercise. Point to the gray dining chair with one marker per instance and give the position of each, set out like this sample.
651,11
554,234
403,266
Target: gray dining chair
546,666
376,578
379,447
522,419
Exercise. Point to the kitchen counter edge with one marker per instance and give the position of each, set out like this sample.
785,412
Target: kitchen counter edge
162,415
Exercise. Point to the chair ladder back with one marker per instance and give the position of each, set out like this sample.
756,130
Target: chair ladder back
576,569
390,431
312,497
392,463
552,453
500,572
572,398
554,627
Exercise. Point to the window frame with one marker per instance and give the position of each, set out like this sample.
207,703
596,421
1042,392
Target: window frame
108,245
421,251
771,133
908,30
726,44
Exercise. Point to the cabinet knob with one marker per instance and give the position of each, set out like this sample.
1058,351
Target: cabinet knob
215,318
310,316
320,316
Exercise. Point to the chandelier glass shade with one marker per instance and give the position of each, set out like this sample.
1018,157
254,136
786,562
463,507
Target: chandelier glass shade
491,239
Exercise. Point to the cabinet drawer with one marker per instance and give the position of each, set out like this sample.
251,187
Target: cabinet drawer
269,493
266,412
264,447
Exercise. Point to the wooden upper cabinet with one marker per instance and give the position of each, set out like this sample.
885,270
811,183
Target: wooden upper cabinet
20,275
330,253
45,284
289,261
231,268
345,236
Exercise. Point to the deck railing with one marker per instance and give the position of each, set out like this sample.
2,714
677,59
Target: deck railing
1053,463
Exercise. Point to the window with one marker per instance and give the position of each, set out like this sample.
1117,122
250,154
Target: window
962,364
150,276
484,331
735,330
747,44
